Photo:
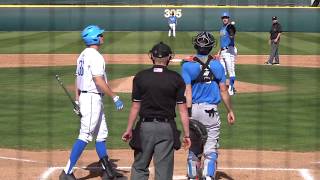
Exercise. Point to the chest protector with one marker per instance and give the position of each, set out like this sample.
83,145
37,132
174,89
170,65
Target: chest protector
205,75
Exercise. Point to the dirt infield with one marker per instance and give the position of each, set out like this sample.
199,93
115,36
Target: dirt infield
36,60
125,85
233,164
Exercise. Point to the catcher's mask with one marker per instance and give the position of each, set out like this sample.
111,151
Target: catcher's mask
161,52
203,43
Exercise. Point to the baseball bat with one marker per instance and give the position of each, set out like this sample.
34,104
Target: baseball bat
75,105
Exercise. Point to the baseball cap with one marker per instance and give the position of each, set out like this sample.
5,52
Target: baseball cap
274,18
160,50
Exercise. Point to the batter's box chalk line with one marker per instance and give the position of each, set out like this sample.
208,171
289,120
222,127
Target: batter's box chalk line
304,173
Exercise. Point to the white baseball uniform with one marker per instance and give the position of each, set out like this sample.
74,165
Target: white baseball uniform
91,63
172,21
228,59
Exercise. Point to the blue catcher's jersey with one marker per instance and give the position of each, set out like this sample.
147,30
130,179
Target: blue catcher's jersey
204,92
225,39
172,20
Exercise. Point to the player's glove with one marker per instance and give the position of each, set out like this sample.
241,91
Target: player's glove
76,109
198,132
117,102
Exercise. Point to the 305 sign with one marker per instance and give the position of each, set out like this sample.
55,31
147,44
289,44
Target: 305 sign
177,12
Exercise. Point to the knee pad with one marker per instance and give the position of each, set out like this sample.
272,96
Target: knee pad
210,165
193,165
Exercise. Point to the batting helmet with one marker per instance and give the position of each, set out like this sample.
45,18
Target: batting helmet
90,35
204,42
225,14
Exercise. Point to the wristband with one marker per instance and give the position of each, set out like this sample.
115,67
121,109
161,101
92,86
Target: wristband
115,98
190,111
186,137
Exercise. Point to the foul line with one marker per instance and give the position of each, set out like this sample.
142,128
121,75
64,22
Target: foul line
305,173
18,159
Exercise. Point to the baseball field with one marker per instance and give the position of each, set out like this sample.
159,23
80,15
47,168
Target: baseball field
276,135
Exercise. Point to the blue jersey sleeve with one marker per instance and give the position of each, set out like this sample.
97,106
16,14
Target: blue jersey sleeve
185,74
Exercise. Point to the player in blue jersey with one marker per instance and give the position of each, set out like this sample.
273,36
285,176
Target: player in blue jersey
228,51
205,87
172,21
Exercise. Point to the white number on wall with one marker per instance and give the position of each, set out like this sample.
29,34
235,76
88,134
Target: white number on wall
177,12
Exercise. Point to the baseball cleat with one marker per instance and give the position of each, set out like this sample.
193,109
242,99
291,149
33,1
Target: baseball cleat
64,176
277,64
267,63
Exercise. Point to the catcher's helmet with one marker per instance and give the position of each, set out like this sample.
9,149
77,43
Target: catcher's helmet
204,42
90,35
225,14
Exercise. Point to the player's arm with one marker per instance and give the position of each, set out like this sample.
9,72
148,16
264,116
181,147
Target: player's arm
135,108
102,85
221,77
279,34
185,124
183,111
227,102
189,98
188,92
76,90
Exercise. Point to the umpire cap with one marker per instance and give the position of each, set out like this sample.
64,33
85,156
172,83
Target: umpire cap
160,50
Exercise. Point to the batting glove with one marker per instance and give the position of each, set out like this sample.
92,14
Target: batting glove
76,110
118,102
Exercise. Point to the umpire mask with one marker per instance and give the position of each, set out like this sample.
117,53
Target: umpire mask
161,52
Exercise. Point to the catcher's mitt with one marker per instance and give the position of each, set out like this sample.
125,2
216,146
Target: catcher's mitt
198,132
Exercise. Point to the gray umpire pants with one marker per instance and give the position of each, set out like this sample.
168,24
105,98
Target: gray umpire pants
156,141
274,52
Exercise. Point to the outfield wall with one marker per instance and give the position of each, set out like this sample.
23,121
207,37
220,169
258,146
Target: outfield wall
68,18
174,2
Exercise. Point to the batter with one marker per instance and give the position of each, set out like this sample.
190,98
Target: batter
91,85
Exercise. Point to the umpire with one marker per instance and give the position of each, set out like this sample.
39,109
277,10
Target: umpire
275,33
156,92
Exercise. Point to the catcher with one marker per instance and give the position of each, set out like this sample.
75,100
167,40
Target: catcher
205,87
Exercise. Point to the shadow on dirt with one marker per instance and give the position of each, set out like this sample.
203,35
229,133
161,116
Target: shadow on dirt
95,170
223,175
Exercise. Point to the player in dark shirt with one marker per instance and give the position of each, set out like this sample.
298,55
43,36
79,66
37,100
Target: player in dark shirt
275,33
155,94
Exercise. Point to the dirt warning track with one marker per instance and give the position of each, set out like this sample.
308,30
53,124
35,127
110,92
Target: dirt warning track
39,60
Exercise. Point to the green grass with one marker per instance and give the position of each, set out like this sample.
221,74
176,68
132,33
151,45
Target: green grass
141,42
35,113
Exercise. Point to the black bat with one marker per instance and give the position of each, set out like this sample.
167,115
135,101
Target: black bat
75,105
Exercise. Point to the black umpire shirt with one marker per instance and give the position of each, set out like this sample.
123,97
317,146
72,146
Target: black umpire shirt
275,30
159,90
